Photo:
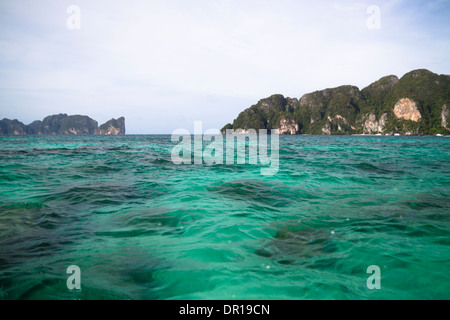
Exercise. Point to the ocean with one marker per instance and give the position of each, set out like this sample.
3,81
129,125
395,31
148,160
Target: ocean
139,226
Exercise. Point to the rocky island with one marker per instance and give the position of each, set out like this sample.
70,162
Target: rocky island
416,104
63,124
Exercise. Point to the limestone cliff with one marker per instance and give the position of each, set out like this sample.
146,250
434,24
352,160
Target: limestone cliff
12,127
112,127
326,128
414,104
406,108
445,117
372,125
288,126
62,124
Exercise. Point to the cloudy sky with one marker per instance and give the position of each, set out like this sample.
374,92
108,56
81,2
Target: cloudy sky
165,63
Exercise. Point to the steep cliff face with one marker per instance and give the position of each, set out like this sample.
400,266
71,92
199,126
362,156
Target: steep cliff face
326,128
412,104
63,124
372,125
112,127
445,117
288,126
406,109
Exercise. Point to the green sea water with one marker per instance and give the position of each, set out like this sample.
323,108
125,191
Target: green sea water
141,227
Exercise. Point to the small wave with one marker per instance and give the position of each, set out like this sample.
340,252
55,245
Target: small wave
364,166
291,246
252,190
107,193
162,161
126,233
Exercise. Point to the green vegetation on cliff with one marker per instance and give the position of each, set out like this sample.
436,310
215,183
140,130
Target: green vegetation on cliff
12,127
421,100
77,124
62,124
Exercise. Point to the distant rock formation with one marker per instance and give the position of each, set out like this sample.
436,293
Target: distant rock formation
112,127
12,127
63,124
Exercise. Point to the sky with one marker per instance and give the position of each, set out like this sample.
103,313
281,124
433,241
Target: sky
163,64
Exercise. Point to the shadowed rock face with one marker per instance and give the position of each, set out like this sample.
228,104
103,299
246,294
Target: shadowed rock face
63,124
77,125
12,127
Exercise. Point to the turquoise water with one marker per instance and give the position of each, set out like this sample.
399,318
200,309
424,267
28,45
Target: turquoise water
140,227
